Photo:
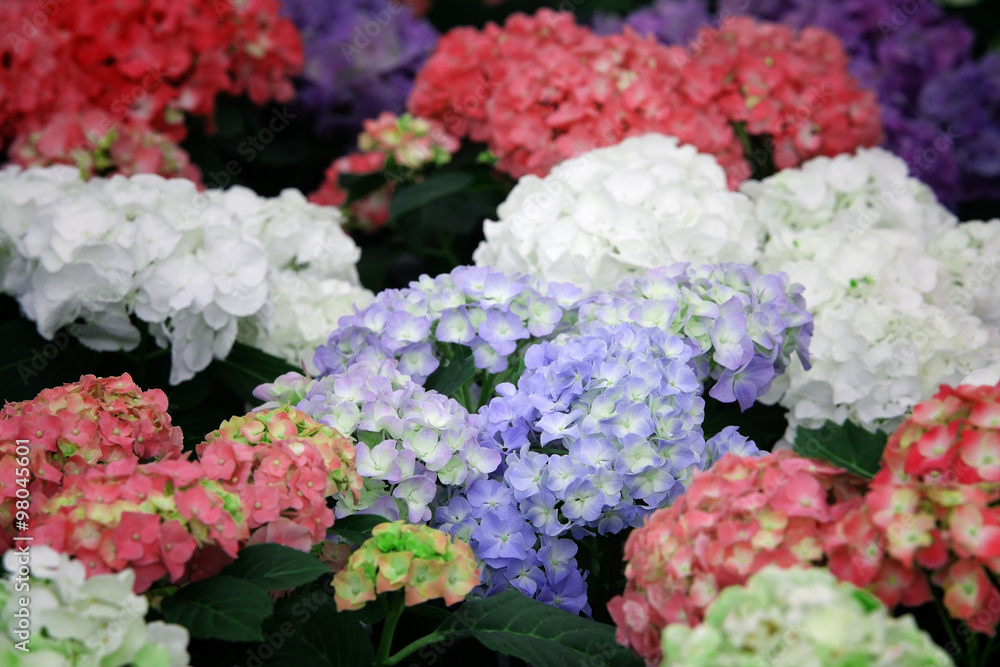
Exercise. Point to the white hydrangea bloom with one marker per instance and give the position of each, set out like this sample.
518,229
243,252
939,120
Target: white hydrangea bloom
970,254
617,211
301,313
95,254
76,620
868,244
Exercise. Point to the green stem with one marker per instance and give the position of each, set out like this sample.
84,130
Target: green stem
432,638
389,629
987,652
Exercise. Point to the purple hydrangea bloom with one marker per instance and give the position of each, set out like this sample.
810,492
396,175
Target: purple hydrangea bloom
490,313
606,435
411,441
743,327
670,21
361,57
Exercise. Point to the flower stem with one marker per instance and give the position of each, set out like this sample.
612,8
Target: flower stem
426,640
389,629
946,620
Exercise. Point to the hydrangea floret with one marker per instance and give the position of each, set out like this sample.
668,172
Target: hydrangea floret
799,616
423,561
92,423
935,498
735,519
76,620
283,465
670,204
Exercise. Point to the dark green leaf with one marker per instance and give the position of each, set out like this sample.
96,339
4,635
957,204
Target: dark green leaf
448,379
410,197
356,528
539,634
359,186
848,446
29,363
370,438
275,567
310,632
220,607
246,368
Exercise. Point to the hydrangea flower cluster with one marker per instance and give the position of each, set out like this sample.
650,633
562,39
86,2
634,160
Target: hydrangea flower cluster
83,87
423,561
969,253
282,465
603,426
543,89
934,498
82,621
855,230
400,146
735,519
670,21
92,423
95,254
156,519
410,439
743,327
792,617
361,57
669,202
478,308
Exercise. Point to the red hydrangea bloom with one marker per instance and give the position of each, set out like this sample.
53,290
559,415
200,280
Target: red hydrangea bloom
543,89
282,464
153,518
735,519
936,495
93,423
90,67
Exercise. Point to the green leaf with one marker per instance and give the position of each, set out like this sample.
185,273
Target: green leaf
849,446
275,567
448,379
410,197
539,634
246,368
359,186
356,528
220,607
310,632
370,438
30,363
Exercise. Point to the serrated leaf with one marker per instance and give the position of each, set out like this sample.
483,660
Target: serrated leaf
314,634
539,634
846,446
246,368
410,197
220,607
450,378
356,528
275,567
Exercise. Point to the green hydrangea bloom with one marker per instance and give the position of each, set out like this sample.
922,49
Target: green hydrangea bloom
800,618
426,562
